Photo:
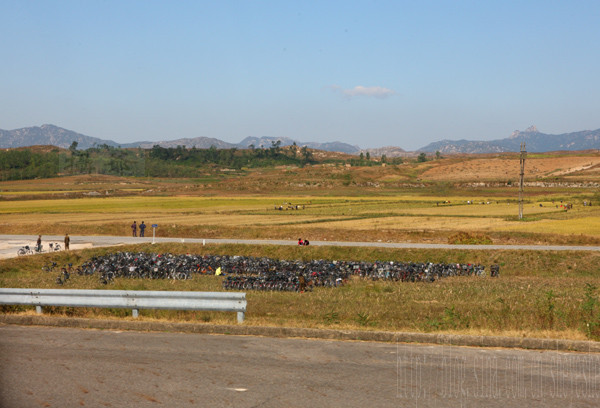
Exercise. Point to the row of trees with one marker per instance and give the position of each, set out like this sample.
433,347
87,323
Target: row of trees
235,158
156,162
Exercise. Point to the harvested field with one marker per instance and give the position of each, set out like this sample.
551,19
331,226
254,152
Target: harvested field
503,168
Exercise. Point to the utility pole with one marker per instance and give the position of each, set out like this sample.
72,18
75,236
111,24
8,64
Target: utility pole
522,176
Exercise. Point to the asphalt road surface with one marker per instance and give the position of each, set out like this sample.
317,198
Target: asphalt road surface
9,244
64,367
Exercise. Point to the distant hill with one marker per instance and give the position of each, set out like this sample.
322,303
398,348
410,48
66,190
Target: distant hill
267,141
48,135
56,136
463,146
198,142
388,151
333,147
264,141
535,141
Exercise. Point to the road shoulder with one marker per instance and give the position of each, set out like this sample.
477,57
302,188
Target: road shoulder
309,333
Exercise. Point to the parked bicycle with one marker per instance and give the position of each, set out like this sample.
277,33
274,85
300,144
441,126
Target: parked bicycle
25,250
49,267
30,250
65,274
54,246
249,273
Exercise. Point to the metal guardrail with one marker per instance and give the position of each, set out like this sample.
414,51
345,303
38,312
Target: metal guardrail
135,300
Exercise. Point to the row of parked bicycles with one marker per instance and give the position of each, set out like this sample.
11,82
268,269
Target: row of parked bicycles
65,271
299,276
35,249
251,273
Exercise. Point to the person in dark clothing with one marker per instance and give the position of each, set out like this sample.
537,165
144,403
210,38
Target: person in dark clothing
301,283
134,229
67,242
306,242
142,229
39,243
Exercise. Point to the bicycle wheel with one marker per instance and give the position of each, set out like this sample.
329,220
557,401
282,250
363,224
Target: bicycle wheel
21,252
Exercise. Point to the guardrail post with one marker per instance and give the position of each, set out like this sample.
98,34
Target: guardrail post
135,313
38,309
240,317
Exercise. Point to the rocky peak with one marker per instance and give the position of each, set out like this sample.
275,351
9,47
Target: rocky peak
531,129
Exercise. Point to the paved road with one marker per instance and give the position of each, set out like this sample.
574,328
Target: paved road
63,367
10,243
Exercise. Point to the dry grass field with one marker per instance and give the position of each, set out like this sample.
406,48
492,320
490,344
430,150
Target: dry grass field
498,167
551,294
370,218
547,294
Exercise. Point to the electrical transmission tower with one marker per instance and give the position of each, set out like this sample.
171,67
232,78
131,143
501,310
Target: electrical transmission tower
521,177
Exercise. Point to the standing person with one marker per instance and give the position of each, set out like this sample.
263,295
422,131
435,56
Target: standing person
142,229
67,242
39,243
301,283
134,229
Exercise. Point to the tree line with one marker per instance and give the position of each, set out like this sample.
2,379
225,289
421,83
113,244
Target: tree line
136,162
158,161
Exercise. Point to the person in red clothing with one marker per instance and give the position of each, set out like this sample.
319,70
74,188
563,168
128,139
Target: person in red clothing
300,242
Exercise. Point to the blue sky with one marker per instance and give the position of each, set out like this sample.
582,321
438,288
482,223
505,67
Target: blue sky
370,73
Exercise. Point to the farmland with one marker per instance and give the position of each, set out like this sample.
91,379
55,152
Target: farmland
438,201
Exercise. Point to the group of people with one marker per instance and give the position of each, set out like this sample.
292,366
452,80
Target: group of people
39,243
301,242
134,228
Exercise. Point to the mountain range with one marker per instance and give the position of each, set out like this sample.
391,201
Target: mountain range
535,142
56,136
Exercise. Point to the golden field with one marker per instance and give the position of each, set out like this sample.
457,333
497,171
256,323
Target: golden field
548,294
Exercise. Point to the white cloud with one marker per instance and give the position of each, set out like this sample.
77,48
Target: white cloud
371,91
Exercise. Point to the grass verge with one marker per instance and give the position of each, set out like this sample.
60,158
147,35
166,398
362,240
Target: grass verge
539,294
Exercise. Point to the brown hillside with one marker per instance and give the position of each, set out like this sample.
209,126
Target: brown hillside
503,167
